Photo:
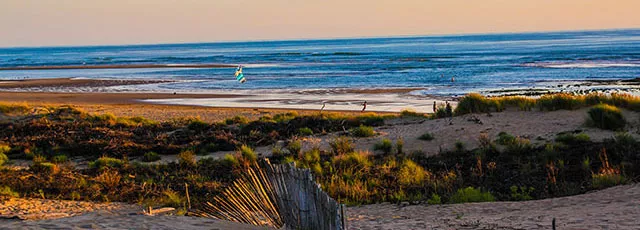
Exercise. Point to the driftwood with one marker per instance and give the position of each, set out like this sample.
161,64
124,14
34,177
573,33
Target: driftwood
276,196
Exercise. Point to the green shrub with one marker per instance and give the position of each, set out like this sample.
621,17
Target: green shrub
351,160
45,168
248,154
363,131
521,193
471,194
151,157
371,119
410,113
237,120
426,137
197,125
4,148
59,159
341,145
384,145
208,148
294,147
6,191
411,174
435,199
3,157
605,180
230,161
103,162
400,146
187,157
305,131
606,117
569,138
505,139
173,199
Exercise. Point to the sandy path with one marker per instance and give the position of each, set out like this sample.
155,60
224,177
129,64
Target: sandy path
613,208
19,213
536,126
104,220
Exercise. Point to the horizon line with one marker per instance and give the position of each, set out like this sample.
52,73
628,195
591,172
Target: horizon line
319,38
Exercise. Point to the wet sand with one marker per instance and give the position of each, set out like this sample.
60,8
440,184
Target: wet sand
69,82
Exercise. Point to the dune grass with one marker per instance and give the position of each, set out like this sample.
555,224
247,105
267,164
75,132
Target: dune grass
606,117
476,103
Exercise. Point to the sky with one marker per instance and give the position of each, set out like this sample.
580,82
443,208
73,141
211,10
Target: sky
110,22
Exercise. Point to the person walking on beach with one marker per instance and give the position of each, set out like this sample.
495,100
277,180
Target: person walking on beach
364,106
434,106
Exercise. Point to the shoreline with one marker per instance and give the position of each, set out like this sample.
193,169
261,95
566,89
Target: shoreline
126,66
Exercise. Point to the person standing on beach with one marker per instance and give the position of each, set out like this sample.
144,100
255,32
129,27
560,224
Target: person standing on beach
364,106
434,106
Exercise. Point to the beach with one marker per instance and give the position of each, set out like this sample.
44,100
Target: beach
93,136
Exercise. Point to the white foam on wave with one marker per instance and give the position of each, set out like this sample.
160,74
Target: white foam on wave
568,65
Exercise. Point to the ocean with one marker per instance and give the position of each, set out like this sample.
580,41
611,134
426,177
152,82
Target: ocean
478,63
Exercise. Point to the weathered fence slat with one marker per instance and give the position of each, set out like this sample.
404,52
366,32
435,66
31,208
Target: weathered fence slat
277,196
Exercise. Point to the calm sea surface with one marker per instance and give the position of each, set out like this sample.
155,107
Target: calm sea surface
477,62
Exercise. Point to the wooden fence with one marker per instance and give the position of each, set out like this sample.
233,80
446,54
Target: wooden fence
280,196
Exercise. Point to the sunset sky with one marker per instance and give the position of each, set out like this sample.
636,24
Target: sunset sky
97,22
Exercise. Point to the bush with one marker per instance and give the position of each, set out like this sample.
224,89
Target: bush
341,145
426,137
305,131
521,193
248,154
45,168
208,148
59,159
363,131
505,139
411,174
294,147
230,161
187,157
150,157
384,145
600,181
471,194
6,191
410,113
198,125
400,146
435,199
352,160
606,117
569,138
103,162
237,120
3,157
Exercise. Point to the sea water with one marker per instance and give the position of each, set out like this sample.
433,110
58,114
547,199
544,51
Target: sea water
475,62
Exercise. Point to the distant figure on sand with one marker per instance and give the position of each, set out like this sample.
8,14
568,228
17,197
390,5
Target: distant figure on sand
434,106
364,106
